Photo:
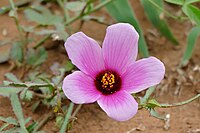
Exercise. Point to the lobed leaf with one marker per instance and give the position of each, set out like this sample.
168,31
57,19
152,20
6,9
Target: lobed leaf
36,58
17,51
122,12
41,56
43,16
153,14
12,77
26,95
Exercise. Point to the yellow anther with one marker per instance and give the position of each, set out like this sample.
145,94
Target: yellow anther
108,79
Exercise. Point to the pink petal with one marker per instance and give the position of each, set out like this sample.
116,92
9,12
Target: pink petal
142,74
120,46
120,106
80,88
85,53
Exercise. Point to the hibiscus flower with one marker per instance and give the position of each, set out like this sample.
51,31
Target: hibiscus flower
109,75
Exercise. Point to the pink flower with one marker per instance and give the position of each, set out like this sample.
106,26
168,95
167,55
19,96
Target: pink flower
110,74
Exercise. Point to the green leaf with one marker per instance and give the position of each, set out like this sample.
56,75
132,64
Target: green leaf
60,27
177,2
3,10
147,95
26,95
36,58
12,14
191,1
153,14
57,79
31,127
31,56
17,52
7,90
68,66
13,130
27,29
35,105
28,84
191,41
41,56
18,111
28,120
43,16
192,12
75,6
12,77
156,115
59,121
122,12
152,103
4,126
9,120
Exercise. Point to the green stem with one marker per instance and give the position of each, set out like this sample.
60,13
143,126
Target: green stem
67,116
16,20
42,96
74,19
41,41
76,111
61,4
93,10
100,22
147,95
180,103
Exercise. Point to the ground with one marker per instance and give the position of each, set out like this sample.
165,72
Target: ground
178,85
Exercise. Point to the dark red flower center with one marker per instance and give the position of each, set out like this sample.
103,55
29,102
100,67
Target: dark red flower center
108,82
